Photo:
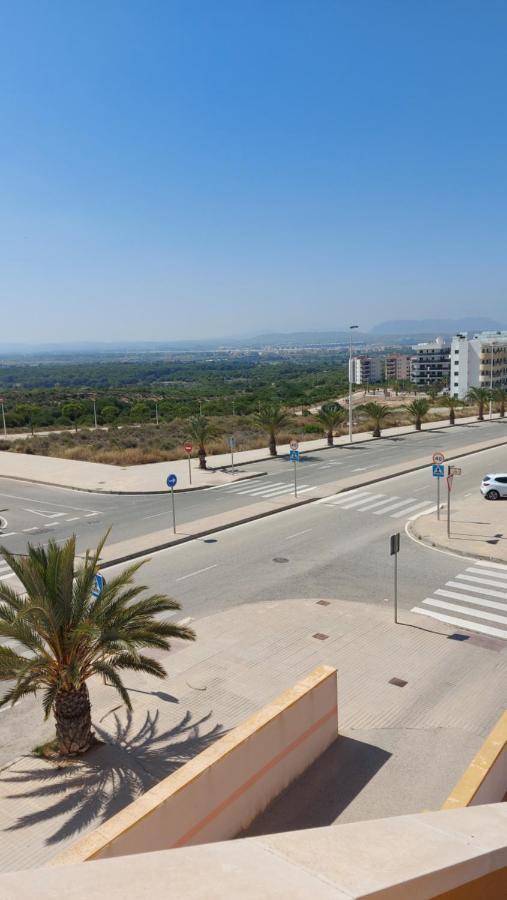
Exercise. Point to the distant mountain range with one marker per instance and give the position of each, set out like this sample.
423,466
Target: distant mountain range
436,326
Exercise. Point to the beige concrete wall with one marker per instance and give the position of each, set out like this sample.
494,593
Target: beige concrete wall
217,794
485,779
459,854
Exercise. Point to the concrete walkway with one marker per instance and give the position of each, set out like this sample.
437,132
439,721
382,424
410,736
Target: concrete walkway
402,748
151,478
478,528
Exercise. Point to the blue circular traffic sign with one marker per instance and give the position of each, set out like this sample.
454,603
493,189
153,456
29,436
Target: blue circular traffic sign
171,480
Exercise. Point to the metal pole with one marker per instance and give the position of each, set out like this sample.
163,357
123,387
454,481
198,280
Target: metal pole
232,460
174,514
3,418
95,413
491,384
189,470
295,479
438,498
448,508
396,588
156,411
350,381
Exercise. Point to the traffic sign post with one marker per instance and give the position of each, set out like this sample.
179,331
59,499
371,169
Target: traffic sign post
451,472
438,473
232,444
394,549
294,456
188,450
171,481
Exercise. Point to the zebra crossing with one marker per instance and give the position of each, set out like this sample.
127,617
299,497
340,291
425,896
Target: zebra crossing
5,570
475,600
252,488
379,504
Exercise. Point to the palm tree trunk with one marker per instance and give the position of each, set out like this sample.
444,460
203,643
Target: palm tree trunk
73,721
376,431
202,457
272,444
480,417
451,416
417,424
502,409
330,438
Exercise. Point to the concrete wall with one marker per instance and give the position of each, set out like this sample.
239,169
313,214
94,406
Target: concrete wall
217,794
458,854
485,779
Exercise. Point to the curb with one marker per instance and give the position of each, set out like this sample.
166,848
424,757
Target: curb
271,512
187,490
433,545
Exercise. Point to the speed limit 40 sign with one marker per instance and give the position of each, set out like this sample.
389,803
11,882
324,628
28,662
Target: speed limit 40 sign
438,458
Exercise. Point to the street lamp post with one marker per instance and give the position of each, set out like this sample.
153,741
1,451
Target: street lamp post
3,417
94,411
491,383
351,327
156,411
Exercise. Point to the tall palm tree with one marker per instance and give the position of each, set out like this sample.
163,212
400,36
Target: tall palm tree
201,430
479,396
68,635
500,397
417,411
330,415
272,417
377,413
453,404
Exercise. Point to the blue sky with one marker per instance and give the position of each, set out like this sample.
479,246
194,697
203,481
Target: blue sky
216,167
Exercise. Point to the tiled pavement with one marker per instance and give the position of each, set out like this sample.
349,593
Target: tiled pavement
425,732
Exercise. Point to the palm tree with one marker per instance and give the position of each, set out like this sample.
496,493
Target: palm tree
330,415
500,397
201,430
453,403
417,410
377,413
68,635
272,417
479,396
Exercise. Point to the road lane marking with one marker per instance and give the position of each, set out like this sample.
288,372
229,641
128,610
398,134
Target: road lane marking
298,533
74,519
477,580
47,502
34,528
87,515
8,534
198,572
44,512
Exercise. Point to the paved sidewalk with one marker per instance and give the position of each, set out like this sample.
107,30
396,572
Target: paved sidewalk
401,751
478,528
151,478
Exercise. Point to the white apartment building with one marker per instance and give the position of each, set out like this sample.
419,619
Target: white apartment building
478,361
430,364
367,369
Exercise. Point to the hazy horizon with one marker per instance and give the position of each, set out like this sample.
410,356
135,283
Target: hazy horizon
188,171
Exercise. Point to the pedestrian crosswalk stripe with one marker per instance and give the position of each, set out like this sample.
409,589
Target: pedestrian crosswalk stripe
377,502
360,501
491,565
410,509
395,505
472,598
469,598
478,590
476,580
380,504
256,489
461,623
493,573
478,614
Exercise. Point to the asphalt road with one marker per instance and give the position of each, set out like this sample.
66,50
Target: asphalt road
35,512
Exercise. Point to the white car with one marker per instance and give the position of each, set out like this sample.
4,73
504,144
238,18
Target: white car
494,487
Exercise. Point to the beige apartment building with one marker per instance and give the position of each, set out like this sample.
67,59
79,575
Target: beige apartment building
397,367
478,361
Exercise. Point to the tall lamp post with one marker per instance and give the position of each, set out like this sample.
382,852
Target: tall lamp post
3,416
491,382
351,327
94,411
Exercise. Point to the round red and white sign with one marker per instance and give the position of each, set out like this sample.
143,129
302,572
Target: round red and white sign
188,447
294,445
438,458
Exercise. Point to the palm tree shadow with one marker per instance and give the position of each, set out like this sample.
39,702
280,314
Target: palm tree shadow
112,774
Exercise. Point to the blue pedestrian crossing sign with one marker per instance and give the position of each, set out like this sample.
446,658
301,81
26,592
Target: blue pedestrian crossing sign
438,471
294,455
98,585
